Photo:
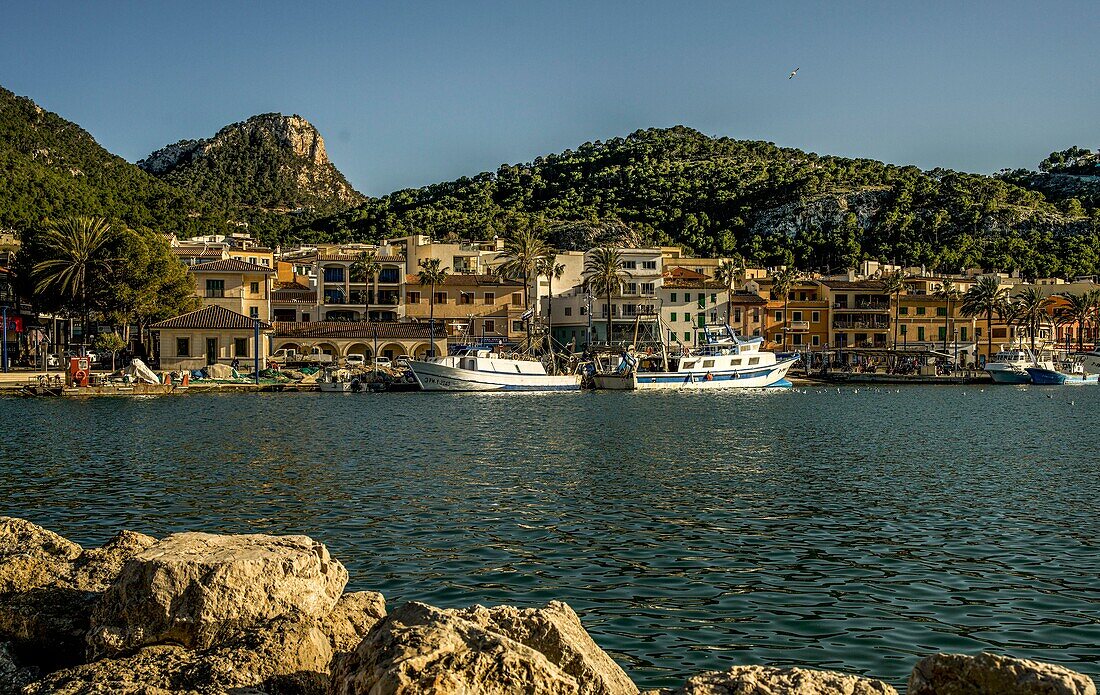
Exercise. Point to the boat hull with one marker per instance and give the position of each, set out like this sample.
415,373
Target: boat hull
1009,376
439,377
1050,377
756,377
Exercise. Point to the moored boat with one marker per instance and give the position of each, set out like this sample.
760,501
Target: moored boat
722,361
481,369
1009,366
1071,374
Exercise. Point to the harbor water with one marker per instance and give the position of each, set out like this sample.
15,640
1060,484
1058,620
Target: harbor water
852,529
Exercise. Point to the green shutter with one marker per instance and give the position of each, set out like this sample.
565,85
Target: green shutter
673,299
673,318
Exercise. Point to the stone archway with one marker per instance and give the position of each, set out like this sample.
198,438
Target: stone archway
328,349
391,350
359,349
421,350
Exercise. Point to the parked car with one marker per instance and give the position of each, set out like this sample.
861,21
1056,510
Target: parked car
53,361
382,362
355,360
291,357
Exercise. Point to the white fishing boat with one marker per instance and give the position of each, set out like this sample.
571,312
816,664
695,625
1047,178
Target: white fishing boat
1010,365
722,361
341,381
481,369
1090,362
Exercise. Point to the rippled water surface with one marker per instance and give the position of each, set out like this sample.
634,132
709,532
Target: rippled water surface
851,529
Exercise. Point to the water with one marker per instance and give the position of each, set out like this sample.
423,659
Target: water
850,530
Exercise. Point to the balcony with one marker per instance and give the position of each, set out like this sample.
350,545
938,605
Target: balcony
798,327
860,325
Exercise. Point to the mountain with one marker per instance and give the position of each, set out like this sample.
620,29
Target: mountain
721,196
272,169
1070,178
51,167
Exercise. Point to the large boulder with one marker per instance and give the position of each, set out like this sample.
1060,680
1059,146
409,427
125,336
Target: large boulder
770,680
198,589
13,675
422,650
31,556
990,674
351,619
556,632
49,586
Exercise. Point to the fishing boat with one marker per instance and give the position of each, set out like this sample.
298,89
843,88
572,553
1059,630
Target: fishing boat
723,360
478,368
1010,365
1072,373
1091,362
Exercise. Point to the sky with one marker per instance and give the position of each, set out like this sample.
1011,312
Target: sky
411,93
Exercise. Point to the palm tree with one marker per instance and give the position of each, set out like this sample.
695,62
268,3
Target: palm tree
431,274
1032,307
603,270
521,255
366,265
946,291
730,273
547,268
1079,309
985,297
783,283
893,284
77,259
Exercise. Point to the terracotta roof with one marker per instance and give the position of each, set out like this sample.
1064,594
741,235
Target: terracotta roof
871,285
358,329
211,317
468,279
293,294
691,284
196,252
349,257
230,265
681,273
747,298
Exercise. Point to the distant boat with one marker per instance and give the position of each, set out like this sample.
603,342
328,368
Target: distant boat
722,361
480,369
1072,374
1009,366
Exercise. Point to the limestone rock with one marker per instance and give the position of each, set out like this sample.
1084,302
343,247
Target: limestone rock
352,618
151,671
195,589
422,650
13,676
96,568
770,680
989,674
31,556
556,632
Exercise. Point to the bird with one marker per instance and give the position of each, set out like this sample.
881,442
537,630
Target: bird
793,73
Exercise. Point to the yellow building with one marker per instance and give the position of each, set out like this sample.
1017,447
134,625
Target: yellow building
797,323
343,338
210,335
236,285
470,305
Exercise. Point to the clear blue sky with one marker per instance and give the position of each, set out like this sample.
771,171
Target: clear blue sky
411,93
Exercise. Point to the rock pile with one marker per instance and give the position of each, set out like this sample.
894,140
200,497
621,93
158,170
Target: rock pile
202,614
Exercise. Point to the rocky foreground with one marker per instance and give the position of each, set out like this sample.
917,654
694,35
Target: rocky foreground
201,613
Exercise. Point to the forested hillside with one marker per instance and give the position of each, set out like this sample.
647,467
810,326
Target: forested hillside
773,205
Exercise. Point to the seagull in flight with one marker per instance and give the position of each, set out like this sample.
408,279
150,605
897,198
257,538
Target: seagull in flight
793,73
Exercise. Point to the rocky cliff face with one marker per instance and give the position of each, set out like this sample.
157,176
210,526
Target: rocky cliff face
271,161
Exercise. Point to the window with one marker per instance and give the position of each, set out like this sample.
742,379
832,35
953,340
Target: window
815,316
389,275
517,326
305,316
920,333
517,298
647,288
490,297
440,297
713,298
672,317
264,261
649,265
490,326
962,333
796,339
796,315
920,311
215,288
756,314
941,333
630,265
702,318
903,310
978,332
673,299
779,317
334,274
584,311
754,360
183,347
737,315
252,260
334,296
465,297
631,288
568,311
778,338
687,336
254,312
815,340
240,347
708,363
687,297
941,311
254,288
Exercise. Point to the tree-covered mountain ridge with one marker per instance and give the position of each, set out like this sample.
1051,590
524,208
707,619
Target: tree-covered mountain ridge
773,205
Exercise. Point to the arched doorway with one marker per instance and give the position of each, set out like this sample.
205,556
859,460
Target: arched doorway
391,350
359,349
421,351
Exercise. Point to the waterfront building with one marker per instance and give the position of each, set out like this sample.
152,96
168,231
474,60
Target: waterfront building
210,335
860,312
344,294
470,305
689,300
343,338
239,286
799,322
